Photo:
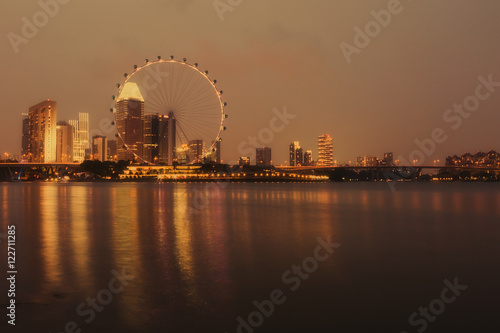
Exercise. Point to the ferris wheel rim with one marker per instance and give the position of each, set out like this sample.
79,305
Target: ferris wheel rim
204,74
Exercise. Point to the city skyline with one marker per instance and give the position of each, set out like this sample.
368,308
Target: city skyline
406,91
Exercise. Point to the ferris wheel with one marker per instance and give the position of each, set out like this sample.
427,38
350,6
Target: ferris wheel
166,107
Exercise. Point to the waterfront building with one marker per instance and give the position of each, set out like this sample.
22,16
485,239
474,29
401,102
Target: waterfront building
41,137
325,150
196,150
26,137
64,145
112,152
244,160
296,154
130,122
214,155
81,140
308,158
99,148
263,156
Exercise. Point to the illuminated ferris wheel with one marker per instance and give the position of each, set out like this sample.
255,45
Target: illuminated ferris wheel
167,111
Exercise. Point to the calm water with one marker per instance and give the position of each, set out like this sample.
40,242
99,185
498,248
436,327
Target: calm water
198,257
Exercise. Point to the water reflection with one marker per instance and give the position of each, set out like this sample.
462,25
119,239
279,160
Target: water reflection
50,233
192,266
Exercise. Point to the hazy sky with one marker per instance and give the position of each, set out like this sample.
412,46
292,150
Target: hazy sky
269,54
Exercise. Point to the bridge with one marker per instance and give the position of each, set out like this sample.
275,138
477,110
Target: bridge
390,171
34,171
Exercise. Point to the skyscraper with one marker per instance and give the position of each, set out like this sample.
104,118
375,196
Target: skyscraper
99,148
308,160
325,150
42,120
130,122
112,150
263,156
156,145
64,148
296,154
171,135
196,150
151,137
26,137
388,159
81,141
215,153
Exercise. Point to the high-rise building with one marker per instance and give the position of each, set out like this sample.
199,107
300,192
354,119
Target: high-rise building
99,148
182,154
42,120
296,154
130,122
171,136
214,155
325,150
388,159
244,160
156,138
196,151
64,146
308,160
81,141
152,137
112,151
26,137
263,156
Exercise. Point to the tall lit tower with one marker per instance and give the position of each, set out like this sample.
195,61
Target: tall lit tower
26,137
42,120
296,154
100,148
325,150
83,130
81,141
130,122
196,151
64,142
172,123
263,156
214,155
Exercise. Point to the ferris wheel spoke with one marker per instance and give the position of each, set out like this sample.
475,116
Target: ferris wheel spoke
191,92
197,93
179,86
